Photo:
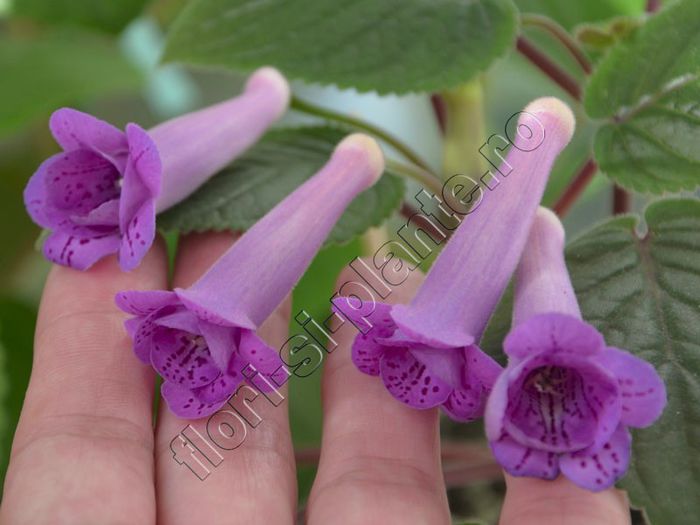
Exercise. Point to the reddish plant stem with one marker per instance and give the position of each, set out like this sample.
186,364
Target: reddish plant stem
440,110
653,6
574,190
407,210
561,35
463,475
548,67
621,200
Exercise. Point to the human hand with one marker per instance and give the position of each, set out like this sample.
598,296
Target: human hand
86,450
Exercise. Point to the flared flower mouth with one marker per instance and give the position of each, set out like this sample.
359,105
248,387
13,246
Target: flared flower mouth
201,339
561,403
202,363
98,196
565,401
101,195
418,370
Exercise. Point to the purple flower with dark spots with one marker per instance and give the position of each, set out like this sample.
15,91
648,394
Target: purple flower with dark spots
102,193
566,399
426,352
201,339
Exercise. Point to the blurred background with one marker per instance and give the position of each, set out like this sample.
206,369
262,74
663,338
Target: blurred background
103,57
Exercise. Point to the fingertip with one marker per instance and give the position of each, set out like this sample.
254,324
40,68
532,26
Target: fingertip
197,252
532,501
68,291
274,330
385,439
363,268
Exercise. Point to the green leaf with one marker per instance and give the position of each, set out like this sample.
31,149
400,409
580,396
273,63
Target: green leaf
596,11
16,343
106,15
497,328
19,157
242,193
599,37
42,73
642,292
394,46
648,88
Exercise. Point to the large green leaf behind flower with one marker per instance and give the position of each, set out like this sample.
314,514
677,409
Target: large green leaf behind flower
389,46
643,292
242,193
648,88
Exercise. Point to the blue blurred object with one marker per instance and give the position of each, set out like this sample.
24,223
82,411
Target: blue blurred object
169,90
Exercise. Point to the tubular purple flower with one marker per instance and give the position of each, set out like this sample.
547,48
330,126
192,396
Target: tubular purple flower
201,339
565,401
426,352
101,194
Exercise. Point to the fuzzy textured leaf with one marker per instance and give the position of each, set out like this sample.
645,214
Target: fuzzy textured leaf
642,292
648,89
242,193
394,46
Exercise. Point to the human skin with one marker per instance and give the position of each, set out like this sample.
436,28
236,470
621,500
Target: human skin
86,451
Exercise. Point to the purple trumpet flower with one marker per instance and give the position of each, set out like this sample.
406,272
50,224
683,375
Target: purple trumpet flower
426,352
565,401
101,194
200,339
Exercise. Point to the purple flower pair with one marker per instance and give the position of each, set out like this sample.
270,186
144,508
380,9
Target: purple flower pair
201,339
566,399
426,352
101,194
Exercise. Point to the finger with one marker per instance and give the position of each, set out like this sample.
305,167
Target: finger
83,450
254,482
533,502
380,460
